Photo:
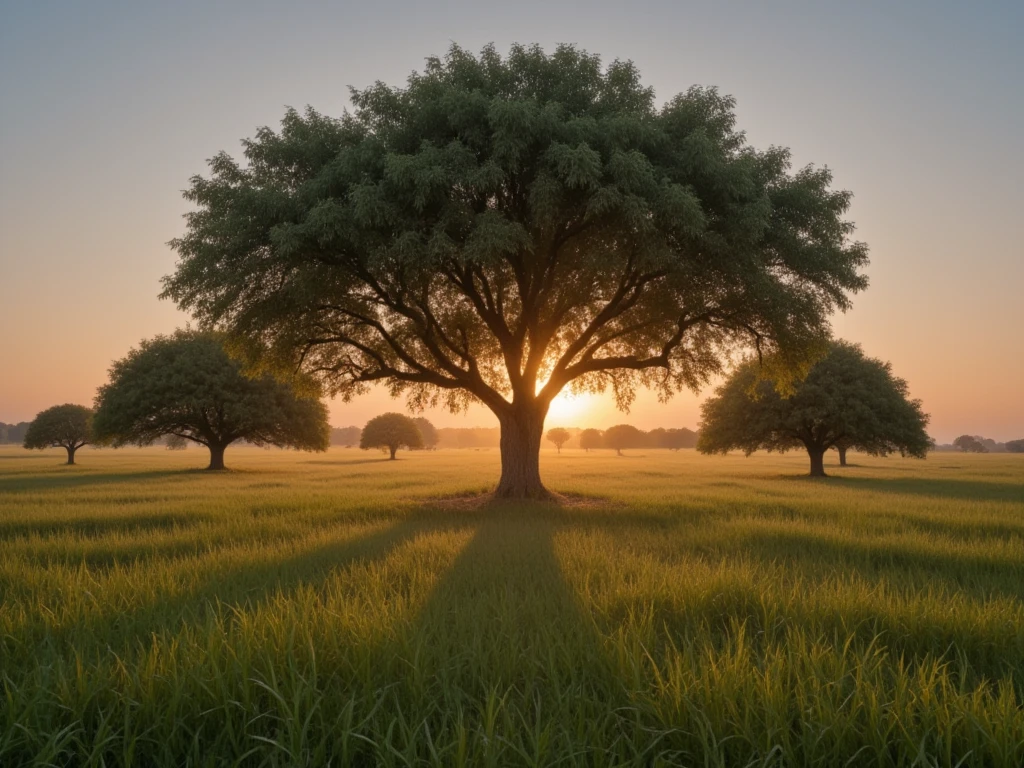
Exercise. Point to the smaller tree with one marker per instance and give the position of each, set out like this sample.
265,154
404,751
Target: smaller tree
591,439
391,431
846,399
970,444
1015,446
623,436
559,437
187,386
62,426
427,432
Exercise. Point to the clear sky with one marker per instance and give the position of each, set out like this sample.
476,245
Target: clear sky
106,109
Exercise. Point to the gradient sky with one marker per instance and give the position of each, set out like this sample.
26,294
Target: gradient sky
918,107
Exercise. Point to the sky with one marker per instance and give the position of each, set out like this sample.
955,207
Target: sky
107,109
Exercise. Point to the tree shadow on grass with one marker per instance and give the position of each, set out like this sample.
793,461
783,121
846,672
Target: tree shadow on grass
503,650
967,490
240,587
98,526
59,482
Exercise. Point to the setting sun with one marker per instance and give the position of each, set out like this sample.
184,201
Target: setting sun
567,410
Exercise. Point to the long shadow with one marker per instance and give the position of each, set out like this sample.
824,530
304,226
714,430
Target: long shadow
348,462
815,556
504,649
968,490
97,526
245,586
56,482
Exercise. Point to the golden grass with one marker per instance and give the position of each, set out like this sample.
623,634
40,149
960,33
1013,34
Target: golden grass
337,608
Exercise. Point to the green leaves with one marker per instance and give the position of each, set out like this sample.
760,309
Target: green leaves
502,221
186,385
846,399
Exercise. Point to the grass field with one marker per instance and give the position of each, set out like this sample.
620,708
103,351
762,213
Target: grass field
340,608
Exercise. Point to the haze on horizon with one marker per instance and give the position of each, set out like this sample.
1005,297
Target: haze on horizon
917,108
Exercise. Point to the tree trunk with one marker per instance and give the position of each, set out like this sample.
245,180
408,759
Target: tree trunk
522,427
71,453
842,456
817,462
216,456
394,450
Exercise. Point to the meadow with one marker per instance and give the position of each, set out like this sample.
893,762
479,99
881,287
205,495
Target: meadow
339,608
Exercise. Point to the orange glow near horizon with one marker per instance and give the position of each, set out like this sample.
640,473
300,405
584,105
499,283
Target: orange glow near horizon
107,122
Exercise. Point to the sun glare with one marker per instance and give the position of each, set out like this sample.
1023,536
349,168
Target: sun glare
568,410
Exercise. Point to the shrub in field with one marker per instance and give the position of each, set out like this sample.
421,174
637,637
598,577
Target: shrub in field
62,426
847,399
502,228
186,386
559,437
391,431
623,436
590,439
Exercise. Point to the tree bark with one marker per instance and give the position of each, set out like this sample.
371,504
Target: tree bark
842,456
216,456
71,453
522,428
817,461
394,450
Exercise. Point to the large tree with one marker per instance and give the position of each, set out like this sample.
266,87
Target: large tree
62,426
503,228
188,387
391,431
427,431
846,399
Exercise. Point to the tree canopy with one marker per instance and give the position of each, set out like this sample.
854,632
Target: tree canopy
559,437
1015,446
427,431
187,386
62,426
847,399
623,436
590,439
504,227
391,431
970,444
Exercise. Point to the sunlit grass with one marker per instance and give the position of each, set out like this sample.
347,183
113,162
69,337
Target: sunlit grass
341,608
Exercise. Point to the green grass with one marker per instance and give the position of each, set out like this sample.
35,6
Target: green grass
314,609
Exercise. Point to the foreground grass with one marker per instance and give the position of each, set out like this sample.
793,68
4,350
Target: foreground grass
314,609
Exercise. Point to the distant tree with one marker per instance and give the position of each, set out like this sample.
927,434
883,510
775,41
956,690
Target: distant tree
345,435
187,386
970,444
502,228
391,431
427,432
1015,446
175,443
846,398
841,447
62,426
675,439
559,437
623,436
13,433
591,439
